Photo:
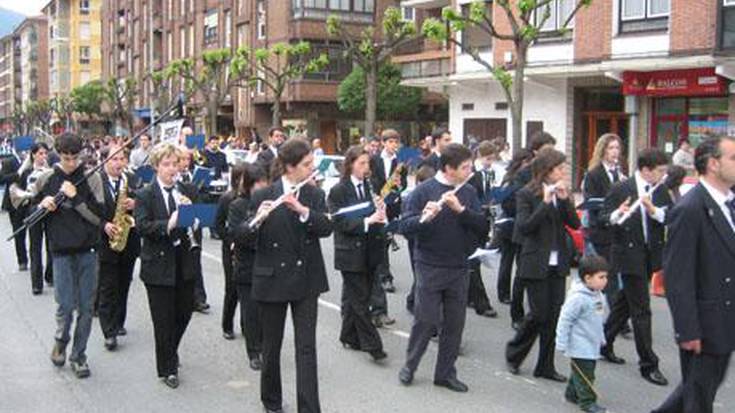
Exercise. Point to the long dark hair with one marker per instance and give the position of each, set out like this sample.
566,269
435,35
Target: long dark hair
251,173
236,176
290,153
546,160
521,156
352,154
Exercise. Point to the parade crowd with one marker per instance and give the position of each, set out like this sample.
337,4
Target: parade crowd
450,202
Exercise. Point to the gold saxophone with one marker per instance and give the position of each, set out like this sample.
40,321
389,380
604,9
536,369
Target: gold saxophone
122,220
394,182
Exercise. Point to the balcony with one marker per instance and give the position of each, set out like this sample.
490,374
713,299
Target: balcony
427,68
425,4
423,58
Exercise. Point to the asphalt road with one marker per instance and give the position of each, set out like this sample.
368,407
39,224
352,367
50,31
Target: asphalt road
215,377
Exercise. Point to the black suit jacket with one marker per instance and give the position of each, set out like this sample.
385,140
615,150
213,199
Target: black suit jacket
158,254
432,161
243,239
378,180
289,265
699,259
354,249
541,226
597,184
628,244
132,248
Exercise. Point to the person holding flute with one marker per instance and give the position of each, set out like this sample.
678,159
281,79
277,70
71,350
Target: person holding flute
636,209
289,271
444,217
166,258
544,208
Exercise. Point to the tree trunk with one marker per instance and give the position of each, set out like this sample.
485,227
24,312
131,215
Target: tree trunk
516,105
277,121
212,119
371,98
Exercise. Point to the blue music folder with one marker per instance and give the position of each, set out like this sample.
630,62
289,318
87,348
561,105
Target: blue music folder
145,173
409,156
361,210
23,143
195,142
204,212
202,176
592,204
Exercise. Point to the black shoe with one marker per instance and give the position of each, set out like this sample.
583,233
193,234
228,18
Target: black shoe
111,343
656,377
594,408
228,335
489,313
80,369
405,376
37,291
388,286
256,364
171,381
513,368
202,308
122,331
505,301
452,384
58,354
553,376
23,267
49,282
350,346
571,399
378,355
383,320
610,356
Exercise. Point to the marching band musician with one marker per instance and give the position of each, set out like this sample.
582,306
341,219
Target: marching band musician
359,246
289,272
167,263
115,267
442,243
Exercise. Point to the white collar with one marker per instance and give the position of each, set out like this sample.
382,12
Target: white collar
610,168
641,183
356,181
163,186
442,179
287,185
385,155
716,194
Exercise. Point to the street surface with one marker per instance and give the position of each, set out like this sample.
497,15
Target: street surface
215,376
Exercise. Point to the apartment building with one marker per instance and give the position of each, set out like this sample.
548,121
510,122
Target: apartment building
140,36
74,51
653,71
7,100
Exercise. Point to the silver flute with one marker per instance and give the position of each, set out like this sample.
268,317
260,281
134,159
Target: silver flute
426,217
634,207
263,214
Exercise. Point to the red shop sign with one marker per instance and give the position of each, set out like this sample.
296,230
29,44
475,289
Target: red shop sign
687,82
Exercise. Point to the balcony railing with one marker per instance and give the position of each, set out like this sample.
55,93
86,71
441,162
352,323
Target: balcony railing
427,68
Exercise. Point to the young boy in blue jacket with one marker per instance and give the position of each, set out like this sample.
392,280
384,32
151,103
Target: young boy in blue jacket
580,332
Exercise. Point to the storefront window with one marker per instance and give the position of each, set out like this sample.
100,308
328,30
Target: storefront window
693,118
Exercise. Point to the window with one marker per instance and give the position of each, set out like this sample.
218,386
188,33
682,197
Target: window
170,8
644,15
210,26
228,29
84,54
51,33
260,85
262,18
343,5
52,58
339,65
84,31
83,6
727,25
348,10
409,14
560,10
365,6
474,37
192,33
84,77
182,7
182,44
170,46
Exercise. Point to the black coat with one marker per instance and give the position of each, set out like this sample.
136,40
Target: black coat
628,244
597,184
289,265
243,239
8,176
158,254
698,271
541,226
354,249
132,248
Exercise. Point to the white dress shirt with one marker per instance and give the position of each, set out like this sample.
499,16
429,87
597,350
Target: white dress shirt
387,162
355,183
288,187
554,254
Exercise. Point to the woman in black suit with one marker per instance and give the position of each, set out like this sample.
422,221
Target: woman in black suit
166,259
358,248
289,272
543,208
252,178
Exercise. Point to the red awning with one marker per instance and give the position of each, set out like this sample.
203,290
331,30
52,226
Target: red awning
687,82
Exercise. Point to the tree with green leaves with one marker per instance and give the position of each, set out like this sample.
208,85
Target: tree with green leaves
39,114
393,101
20,120
527,20
88,99
276,66
370,50
211,77
119,97
161,84
64,108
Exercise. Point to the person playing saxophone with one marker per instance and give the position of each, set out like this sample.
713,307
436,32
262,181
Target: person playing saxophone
119,247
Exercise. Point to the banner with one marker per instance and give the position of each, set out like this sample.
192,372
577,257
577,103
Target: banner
687,82
170,131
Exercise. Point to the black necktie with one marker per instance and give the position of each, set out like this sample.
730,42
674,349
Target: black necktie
731,206
360,193
171,200
185,178
615,175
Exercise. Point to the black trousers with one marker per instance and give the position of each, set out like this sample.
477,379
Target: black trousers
411,296
357,329
200,293
230,299
508,253
251,326
378,298
36,234
441,307
545,298
171,309
578,388
304,315
701,376
634,303
612,289
113,285
517,311
476,293
16,221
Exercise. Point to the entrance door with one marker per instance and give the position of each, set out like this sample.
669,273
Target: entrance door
596,125
328,136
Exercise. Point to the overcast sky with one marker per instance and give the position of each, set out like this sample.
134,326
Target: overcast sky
27,7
